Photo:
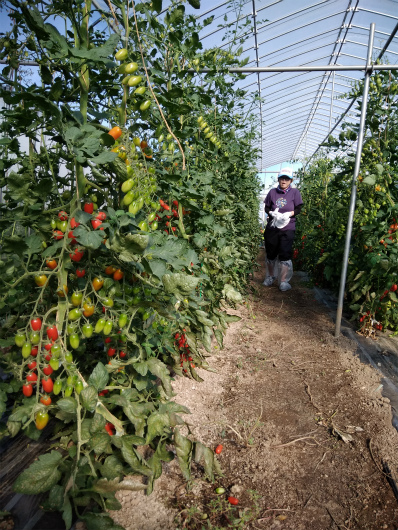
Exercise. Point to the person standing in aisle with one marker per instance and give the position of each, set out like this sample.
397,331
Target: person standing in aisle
282,204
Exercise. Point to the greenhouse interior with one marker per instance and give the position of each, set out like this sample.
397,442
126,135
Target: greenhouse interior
199,264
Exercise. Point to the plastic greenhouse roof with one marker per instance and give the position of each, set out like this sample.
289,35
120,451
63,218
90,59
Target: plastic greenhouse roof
298,109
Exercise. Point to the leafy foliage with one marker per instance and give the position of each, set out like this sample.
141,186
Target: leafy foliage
326,188
123,245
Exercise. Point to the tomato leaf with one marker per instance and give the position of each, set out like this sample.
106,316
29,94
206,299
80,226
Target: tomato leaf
99,377
103,485
106,157
184,453
159,369
130,455
207,455
98,423
40,476
89,397
88,238
100,521
68,404
100,443
194,3
157,5
55,498
156,424
112,467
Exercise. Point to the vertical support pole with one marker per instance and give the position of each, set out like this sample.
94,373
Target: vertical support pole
331,103
343,277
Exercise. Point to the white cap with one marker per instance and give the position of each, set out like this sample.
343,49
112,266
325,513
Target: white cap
286,172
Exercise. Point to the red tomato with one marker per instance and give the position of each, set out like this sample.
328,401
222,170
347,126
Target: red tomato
96,223
34,351
110,428
394,287
73,223
63,216
233,500
35,324
47,370
111,352
72,237
31,377
32,365
218,449
27,390
80,273
88,207
122,354
52,333
76,255
47,385
57,234
101,216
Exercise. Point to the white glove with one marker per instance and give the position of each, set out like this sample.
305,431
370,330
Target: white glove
273,212
283,220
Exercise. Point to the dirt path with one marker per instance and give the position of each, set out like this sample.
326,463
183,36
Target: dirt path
285,397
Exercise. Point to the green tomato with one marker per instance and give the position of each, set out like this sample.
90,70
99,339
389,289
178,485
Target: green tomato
26,349
128,289
68,391
128,198
74,340
107,302
145,105
131,68
20,339
68,357
87,330
57,387
151,217
54,363
74,314
121,55
169,137
134,208
34,337
79,387
136,300
140,90
76,299
53,224
100,325
134,80
143,225
56,350
127,185
70,328
108,327
154,225
126,79
146,315
123,318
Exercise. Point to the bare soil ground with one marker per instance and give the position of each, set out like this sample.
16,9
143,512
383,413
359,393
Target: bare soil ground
304,428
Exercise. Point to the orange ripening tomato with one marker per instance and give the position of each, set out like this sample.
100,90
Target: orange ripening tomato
51,263
115,132
118,275
98,283
110,269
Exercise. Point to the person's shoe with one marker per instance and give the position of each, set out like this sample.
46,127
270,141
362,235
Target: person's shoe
269,280
285,286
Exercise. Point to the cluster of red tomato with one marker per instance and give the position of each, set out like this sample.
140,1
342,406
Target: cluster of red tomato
29,350
168,219
392,289
185,354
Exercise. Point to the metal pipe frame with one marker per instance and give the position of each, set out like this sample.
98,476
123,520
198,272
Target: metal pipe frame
351,212
283,18
377,13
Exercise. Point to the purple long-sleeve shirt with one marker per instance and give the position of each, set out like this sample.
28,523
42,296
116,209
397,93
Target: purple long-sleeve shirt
287,201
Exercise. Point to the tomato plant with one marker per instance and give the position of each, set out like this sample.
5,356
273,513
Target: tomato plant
93,171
